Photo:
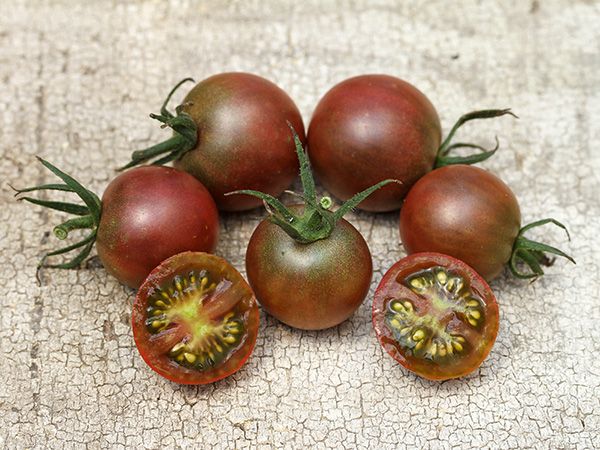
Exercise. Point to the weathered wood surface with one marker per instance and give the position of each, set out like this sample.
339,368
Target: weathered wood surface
78,80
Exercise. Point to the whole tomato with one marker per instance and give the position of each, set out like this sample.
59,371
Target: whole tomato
146,215
149,214
372,127
309,267
310,286
470,214
231,133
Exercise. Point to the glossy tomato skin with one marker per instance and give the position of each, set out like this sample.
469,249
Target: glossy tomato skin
465,212
309,286
153,348
244,141
370,128
480,340
149,214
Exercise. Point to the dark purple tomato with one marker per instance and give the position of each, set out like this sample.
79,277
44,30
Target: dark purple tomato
369,128
309,286
465,212
243,138
435,315
149,214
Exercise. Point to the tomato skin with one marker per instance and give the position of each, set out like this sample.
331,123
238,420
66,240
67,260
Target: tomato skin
309,286
369,128
243,139
390,286
149,214
465,212
150,350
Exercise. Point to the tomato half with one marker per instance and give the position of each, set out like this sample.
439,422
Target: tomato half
195,319
435,315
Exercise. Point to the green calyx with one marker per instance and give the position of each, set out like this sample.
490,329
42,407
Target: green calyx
533,254
87,216
316,221
443,158
184,140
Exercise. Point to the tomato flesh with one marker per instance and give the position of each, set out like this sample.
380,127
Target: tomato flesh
195,319
435,315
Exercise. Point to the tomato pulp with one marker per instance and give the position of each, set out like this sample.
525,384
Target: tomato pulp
435,315
195,319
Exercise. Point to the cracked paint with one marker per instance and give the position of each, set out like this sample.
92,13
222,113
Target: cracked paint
78,92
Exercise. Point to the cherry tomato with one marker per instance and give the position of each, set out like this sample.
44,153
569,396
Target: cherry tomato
468,213
372,127
313,285
231,133
150,213
195,319
463,211
146,215
435,315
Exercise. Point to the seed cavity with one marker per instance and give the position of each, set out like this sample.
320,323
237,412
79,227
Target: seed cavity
426,334
209,341
448,290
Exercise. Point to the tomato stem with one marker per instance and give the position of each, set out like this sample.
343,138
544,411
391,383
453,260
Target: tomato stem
316,221
89,215
532,253
443,159
184,140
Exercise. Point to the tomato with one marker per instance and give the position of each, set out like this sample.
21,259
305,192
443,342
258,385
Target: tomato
372,127
195,319
309,286
435,315
146,215
463,211
151,213
309,267
469,213
231,133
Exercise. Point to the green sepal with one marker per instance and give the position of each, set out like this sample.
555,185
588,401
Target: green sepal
91,200
442,158
184,140
43,187
316,221
70,208
532,253
88,242
88,215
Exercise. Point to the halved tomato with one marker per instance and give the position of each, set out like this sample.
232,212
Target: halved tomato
435,315
195,319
